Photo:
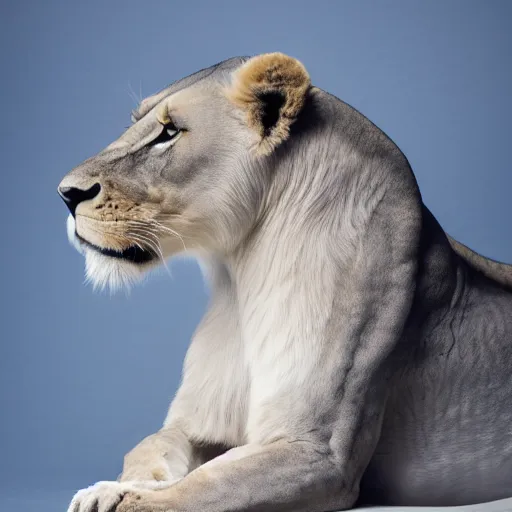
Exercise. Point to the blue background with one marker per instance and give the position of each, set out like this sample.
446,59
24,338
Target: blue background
84,376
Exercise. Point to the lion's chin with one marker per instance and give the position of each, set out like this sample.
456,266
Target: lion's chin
112,273
105,270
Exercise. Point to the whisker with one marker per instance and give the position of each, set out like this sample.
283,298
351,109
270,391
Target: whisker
160,226
155,246
132,94
141,238
140,235
171,231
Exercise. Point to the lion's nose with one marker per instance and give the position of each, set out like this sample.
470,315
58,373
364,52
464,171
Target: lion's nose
74,196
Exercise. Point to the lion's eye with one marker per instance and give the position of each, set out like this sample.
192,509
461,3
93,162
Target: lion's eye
168,133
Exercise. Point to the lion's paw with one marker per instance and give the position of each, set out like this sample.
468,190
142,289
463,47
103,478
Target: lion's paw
100,497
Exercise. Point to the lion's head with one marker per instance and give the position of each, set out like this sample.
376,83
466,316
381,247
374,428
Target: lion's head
189,173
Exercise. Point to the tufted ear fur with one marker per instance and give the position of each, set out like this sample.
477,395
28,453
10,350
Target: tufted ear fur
271,88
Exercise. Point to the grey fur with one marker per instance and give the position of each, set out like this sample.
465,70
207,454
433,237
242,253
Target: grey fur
352,352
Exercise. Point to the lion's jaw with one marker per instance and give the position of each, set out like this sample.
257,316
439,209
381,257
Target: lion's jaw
103,271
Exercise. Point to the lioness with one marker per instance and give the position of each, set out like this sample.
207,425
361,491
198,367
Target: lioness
351,353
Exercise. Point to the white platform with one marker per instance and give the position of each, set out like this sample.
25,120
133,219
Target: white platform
57,501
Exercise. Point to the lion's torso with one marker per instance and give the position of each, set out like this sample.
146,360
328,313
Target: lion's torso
446,431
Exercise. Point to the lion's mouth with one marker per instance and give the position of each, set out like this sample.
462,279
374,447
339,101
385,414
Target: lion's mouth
133,254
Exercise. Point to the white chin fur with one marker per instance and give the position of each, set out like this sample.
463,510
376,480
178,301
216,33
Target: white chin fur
106,272
103,271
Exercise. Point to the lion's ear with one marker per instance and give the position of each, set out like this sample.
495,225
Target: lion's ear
271,88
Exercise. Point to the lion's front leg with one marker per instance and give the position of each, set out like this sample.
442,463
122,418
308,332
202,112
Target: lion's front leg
312,464
156,462
159,459
313,423
282,475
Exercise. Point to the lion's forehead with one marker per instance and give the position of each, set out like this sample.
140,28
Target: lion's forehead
212,72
